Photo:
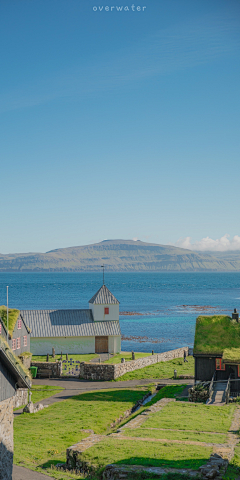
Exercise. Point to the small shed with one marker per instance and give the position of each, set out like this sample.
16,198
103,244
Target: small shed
217,348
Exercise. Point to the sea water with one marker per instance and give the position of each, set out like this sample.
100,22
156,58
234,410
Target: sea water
158,310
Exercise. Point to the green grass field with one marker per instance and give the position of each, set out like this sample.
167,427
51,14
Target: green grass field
193,416
81,358
42,438
112,450
175,435
127,356
161,370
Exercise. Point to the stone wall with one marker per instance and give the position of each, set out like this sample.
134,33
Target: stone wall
199,393
98,371
20,398
6,439
26,360
55,368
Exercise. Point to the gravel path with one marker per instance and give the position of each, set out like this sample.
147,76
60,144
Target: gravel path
21,473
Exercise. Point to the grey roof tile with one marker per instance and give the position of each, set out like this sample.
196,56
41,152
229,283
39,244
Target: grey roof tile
104,296
67,323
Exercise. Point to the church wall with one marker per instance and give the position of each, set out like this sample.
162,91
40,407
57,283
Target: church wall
98,312
114,344
75,345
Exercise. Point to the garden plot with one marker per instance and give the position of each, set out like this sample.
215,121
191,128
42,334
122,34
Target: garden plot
169,434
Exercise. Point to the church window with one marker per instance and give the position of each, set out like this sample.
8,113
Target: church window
18,342
14,344
19,324
106,311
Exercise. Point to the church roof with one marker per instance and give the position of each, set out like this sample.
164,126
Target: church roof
68,323
103,296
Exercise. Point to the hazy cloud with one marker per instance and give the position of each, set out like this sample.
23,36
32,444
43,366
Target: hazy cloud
222,244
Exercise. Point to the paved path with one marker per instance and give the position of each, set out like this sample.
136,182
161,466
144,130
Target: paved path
74,386
21,473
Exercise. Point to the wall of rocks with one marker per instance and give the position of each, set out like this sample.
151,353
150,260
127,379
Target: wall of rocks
91,371
20,398
199,393
26,360
6,439
55,368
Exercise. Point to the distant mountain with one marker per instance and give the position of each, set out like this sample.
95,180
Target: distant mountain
121,255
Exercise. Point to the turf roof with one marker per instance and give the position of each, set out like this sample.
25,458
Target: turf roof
15,362
231,355
13,314
214,334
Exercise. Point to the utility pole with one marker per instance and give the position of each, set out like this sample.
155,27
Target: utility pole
7,314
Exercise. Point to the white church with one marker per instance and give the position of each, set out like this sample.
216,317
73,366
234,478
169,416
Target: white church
92,330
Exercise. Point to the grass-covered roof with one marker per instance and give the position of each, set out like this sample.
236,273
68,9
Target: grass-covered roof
231,355
216,333
15,362
13,314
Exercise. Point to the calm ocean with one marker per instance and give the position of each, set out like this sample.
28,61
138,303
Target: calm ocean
167,304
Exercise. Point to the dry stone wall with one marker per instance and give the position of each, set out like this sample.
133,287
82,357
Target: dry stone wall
91,371
26,361
20,398
6,439
54,368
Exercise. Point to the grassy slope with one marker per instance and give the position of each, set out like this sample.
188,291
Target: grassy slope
174,416
42,438
12,317
197,417
112,450
81,358
96,410
161,370
215,333
127,356
175,435
120,255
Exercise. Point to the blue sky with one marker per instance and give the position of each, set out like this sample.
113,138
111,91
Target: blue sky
118,124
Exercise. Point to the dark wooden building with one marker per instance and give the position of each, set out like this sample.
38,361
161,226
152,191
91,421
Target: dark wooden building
217,348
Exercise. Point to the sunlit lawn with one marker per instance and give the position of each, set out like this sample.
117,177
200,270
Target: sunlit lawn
42,438
161,370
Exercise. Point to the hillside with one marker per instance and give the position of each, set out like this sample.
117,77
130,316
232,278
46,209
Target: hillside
119,255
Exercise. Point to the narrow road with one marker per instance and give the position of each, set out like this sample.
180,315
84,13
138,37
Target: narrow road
74,386
21,473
